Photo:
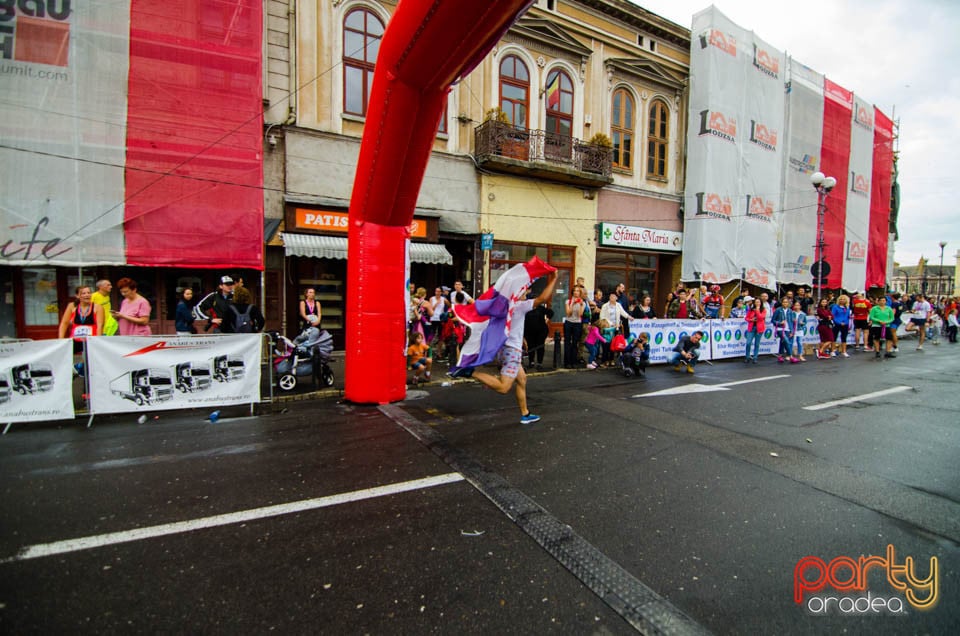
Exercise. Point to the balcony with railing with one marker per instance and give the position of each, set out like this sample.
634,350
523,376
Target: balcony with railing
540,154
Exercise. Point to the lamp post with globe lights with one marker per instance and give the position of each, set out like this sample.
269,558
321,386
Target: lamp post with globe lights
823,185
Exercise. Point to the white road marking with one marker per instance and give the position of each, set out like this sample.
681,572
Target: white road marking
857,398
150,532
707,388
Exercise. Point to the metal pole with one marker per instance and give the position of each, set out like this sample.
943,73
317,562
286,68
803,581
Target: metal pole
819,259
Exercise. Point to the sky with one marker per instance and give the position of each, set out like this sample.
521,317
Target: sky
902,56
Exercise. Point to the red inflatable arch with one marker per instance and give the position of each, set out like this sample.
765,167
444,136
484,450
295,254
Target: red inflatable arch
428,44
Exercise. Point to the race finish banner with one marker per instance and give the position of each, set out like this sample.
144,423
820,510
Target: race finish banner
36,381
154,373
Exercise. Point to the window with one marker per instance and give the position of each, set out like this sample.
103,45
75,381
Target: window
621,129
558,97
362,31
653,45
639,40
657,140
442,127
558,94
636,270
503,256
515,90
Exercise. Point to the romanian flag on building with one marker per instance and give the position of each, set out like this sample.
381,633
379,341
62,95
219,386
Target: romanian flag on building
553,91
131,133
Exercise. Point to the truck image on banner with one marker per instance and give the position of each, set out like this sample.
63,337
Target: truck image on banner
150,373
36,381
143,386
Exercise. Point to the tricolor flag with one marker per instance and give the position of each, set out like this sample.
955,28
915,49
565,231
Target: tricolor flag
490,315
553,91
131,133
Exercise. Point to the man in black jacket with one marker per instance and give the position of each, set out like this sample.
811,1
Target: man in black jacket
215,307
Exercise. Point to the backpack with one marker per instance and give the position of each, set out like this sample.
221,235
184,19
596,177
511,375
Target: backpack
242,323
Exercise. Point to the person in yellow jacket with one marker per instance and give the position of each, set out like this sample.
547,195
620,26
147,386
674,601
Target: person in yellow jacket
102,298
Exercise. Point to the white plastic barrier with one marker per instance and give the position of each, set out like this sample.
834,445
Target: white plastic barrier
153,373
723,338
36,381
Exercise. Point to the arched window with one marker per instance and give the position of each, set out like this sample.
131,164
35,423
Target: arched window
621,129
515,90
558,95
362,31
657,141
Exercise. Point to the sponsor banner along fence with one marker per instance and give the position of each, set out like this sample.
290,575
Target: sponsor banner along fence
152,373
36,381
723,338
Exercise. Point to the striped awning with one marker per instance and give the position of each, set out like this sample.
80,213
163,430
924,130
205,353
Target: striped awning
317,246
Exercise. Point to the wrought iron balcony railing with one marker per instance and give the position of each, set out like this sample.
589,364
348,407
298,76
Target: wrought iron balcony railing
496,139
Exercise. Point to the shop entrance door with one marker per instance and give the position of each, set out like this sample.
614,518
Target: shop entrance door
41,311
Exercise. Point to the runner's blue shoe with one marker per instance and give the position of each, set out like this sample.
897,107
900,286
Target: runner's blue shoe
529,418
461,372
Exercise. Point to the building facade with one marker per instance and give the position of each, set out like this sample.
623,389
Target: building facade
573,120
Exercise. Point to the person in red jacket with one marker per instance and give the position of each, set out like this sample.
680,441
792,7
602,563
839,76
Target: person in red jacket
756,325
861,307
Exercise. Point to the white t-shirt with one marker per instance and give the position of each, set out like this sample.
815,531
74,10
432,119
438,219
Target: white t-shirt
437,302
466,298
520,309
920,309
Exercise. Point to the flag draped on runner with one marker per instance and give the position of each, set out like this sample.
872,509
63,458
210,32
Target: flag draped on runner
490,316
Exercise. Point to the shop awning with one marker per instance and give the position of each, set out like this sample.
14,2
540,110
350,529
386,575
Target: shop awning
336,247
313,245
430,253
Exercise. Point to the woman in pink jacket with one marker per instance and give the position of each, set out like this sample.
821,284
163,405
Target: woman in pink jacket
756,325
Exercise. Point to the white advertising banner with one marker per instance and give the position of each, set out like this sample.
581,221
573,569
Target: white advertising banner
734,154
804,140
663,336
36,381
857,228
761,143
63,77
151,373
718,61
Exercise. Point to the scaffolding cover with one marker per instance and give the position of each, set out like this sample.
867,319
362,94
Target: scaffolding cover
131,133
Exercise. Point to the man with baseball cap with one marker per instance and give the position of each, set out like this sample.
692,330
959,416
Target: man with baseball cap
215,307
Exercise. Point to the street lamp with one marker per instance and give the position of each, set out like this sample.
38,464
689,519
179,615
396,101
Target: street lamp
943,244
823,185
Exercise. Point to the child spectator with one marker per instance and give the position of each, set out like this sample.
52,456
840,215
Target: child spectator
594,341
952,324
418,360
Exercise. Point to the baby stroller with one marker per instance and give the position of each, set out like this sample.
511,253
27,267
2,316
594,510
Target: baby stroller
634,359
306,355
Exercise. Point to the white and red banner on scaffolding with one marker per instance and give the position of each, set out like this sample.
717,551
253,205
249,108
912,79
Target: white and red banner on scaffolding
760,124
131,133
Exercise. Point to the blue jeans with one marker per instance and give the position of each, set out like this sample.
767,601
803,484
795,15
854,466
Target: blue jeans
753,337
784,344
594,349
674,358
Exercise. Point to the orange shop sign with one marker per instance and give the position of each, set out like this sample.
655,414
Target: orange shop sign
332,221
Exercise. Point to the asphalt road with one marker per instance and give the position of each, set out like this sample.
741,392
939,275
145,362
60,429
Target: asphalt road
676,503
